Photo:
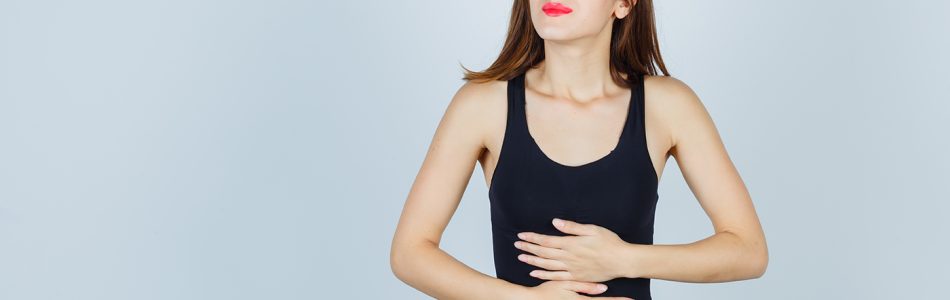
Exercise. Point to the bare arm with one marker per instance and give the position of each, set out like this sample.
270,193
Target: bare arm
737,249
431,270
415,256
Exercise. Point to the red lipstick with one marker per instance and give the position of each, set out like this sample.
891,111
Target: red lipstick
555,9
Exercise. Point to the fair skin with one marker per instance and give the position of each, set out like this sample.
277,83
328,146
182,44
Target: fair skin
574,111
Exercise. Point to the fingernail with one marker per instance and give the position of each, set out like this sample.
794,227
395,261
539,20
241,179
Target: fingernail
558,222
521,235
602,287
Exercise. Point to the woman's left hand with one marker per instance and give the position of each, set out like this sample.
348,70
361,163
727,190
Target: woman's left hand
590,255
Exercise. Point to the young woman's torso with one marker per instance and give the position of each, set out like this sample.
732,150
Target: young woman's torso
563,132
588,163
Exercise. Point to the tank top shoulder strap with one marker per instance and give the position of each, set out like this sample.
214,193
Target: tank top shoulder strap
638,140
513,143
516,99
516,133
638,106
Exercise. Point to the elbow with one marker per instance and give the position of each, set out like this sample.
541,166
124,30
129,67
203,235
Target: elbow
756,270
762,266
401,257
397,261
760,262
752,258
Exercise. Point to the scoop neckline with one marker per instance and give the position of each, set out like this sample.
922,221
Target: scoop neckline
619,143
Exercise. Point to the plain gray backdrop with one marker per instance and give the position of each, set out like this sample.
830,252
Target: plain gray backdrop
264,149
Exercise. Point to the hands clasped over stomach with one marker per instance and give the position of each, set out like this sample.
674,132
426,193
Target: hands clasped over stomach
572,264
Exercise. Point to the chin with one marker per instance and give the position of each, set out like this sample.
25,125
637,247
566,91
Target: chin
556,34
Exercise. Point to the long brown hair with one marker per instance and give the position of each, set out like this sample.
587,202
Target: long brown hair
634,48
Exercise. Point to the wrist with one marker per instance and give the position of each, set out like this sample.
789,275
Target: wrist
517,292
631,262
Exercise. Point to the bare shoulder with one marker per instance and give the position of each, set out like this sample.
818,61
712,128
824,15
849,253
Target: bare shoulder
668,92
478,107
478,95
677,106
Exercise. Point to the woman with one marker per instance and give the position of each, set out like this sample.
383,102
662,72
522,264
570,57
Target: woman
572,126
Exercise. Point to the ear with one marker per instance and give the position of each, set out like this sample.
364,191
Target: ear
624,8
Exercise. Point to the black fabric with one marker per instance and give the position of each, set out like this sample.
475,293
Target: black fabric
528,190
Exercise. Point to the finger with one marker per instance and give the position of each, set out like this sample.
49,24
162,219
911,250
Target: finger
552,275
538,250
550,241
571,227
549,264
583,287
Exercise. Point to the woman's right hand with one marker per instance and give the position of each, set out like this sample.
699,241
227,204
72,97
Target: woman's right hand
568,289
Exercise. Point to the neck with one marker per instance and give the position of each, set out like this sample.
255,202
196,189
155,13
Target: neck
577,70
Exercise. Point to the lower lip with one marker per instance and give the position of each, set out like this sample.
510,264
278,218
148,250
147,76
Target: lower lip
555,13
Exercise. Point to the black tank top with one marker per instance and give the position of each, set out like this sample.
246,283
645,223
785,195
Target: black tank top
528,189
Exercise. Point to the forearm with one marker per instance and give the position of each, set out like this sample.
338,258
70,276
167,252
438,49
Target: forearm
434,272
721,257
